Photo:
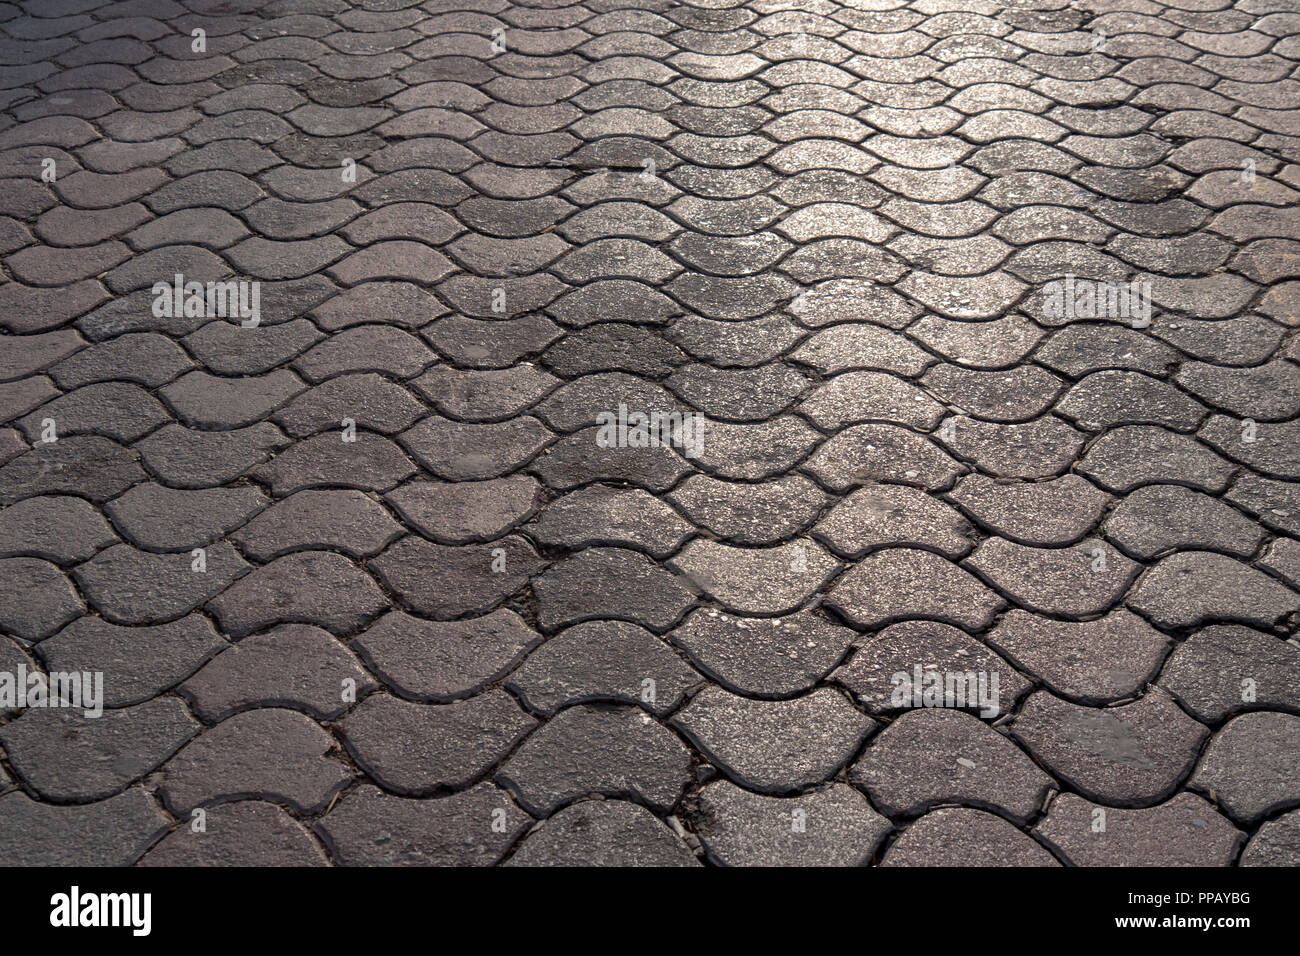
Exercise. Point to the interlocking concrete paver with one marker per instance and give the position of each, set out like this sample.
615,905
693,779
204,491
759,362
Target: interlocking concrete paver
986,316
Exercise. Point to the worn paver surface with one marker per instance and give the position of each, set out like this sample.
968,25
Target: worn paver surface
331,333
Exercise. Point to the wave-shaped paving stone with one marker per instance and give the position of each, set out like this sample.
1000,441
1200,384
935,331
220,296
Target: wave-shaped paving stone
421,748
333,520
1275,503
775,746
440,661
67,757
894,515
248,833
188,458
1276,843
614,347
309,587
396,304
21,355
1135,455
884,667
861,346
19,397
441,582
600,514
1283,559
138,663
129,586
1058,511
1079,349
268,754
144,357
881,453
370,401
577,459
1159,518
1268,447
603,661
1190,588
1013,395
370,463
751,514
738,394
1077,581
753,451
1131,755
831,827
1110,398
838,299
615,751
365,348
578,404
762,581
930,757
603,833
1249,767
613,583
209,401
478,396
1107,659
460,452
962,837
371,828
24,309
870,396
120,410
1269,392
1185,831
294,666
230,349
1245,340
1042,448
617,299
900,583
112,832
764,657
60,529
466,511
158,518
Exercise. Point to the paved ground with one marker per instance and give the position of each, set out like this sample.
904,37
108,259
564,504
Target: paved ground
368,582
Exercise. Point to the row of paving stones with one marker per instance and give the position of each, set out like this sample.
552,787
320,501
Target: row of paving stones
1133,435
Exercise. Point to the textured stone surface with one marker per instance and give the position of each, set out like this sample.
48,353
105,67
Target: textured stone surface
371,828
830,233
775,746
1130,755
418,748
930,757
1249,766
617,751
1185,831
603,833
248,833
968,838
831,827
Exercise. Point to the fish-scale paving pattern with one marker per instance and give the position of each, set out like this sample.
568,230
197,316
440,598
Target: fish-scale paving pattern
370,578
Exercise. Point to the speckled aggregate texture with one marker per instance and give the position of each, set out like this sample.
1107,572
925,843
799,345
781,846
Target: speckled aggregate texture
975,542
